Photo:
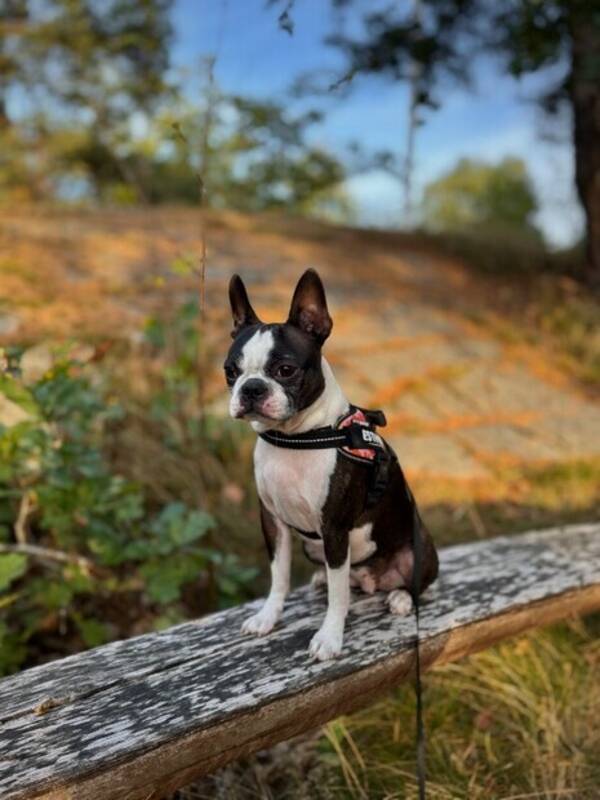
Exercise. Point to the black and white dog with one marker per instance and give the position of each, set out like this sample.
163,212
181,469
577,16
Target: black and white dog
359,528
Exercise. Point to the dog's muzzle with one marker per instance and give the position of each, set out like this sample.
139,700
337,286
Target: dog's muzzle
252,394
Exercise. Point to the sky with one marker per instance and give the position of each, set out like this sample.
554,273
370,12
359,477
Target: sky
496,118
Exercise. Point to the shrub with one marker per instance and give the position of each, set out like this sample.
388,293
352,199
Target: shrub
86,555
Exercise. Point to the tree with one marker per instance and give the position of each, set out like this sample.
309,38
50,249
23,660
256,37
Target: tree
107,56
250,155
532,36
475,193
277,167
88,64
560,36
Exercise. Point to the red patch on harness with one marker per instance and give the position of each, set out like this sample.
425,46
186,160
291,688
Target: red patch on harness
367,454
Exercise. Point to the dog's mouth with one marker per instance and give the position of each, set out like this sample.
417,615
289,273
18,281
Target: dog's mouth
260,411
254,410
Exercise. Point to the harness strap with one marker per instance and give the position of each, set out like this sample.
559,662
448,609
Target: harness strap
355,437
318,439
351,432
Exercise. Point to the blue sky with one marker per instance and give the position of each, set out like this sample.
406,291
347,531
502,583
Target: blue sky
254,57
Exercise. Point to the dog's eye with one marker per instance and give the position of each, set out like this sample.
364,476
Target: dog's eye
285,371
231,373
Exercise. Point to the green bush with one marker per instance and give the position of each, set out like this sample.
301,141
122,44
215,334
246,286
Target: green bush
86,554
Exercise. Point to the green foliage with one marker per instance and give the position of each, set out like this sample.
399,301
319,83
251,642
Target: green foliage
251,155
224,150
61,51
474,193
433,41
446,37
95,540
12,566
62,47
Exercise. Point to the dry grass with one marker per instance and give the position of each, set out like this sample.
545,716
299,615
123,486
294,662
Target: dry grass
519,720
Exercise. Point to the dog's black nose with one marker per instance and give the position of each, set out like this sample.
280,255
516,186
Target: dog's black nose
254,389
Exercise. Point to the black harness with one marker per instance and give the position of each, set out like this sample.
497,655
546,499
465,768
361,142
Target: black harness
349,440
356,436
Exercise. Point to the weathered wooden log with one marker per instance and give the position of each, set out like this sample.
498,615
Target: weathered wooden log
136,719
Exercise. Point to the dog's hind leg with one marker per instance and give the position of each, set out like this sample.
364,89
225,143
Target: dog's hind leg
319,579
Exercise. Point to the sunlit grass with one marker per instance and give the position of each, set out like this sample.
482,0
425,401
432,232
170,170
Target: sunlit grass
519,720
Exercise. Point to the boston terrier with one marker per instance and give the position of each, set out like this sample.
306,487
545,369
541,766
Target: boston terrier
349,503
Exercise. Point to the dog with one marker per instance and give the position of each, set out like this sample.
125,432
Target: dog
360,532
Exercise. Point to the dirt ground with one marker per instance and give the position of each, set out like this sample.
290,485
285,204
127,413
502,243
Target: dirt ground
414,332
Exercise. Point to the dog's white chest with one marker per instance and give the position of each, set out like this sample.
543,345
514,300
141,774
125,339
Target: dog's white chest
294,484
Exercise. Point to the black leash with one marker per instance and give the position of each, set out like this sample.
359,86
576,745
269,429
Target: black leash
361,436
416,585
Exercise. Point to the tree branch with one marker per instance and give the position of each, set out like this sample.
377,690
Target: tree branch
50,554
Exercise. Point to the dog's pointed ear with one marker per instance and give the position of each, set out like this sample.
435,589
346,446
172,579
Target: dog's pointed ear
242,312
309,307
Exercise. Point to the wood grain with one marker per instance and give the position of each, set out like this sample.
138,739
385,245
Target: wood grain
133,720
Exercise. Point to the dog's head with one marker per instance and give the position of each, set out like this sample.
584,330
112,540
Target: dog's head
274,371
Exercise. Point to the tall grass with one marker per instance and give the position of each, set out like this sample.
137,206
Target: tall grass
519,720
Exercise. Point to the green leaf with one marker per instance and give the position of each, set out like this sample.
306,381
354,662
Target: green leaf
12,650
17,393
191,528
48,593
12,566
92,631
173,528
172,616
182,265
165,577
154,332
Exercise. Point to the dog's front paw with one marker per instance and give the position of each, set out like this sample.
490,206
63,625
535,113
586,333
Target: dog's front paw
261,623
326,644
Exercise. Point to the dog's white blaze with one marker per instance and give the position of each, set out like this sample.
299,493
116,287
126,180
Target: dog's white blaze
255,353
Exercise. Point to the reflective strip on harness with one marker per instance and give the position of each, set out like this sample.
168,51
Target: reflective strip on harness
353,435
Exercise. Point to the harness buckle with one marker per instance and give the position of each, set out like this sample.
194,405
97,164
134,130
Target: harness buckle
361,437
375,417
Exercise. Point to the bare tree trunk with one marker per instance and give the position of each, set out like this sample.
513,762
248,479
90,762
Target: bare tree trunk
4,120
585,98
415,71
